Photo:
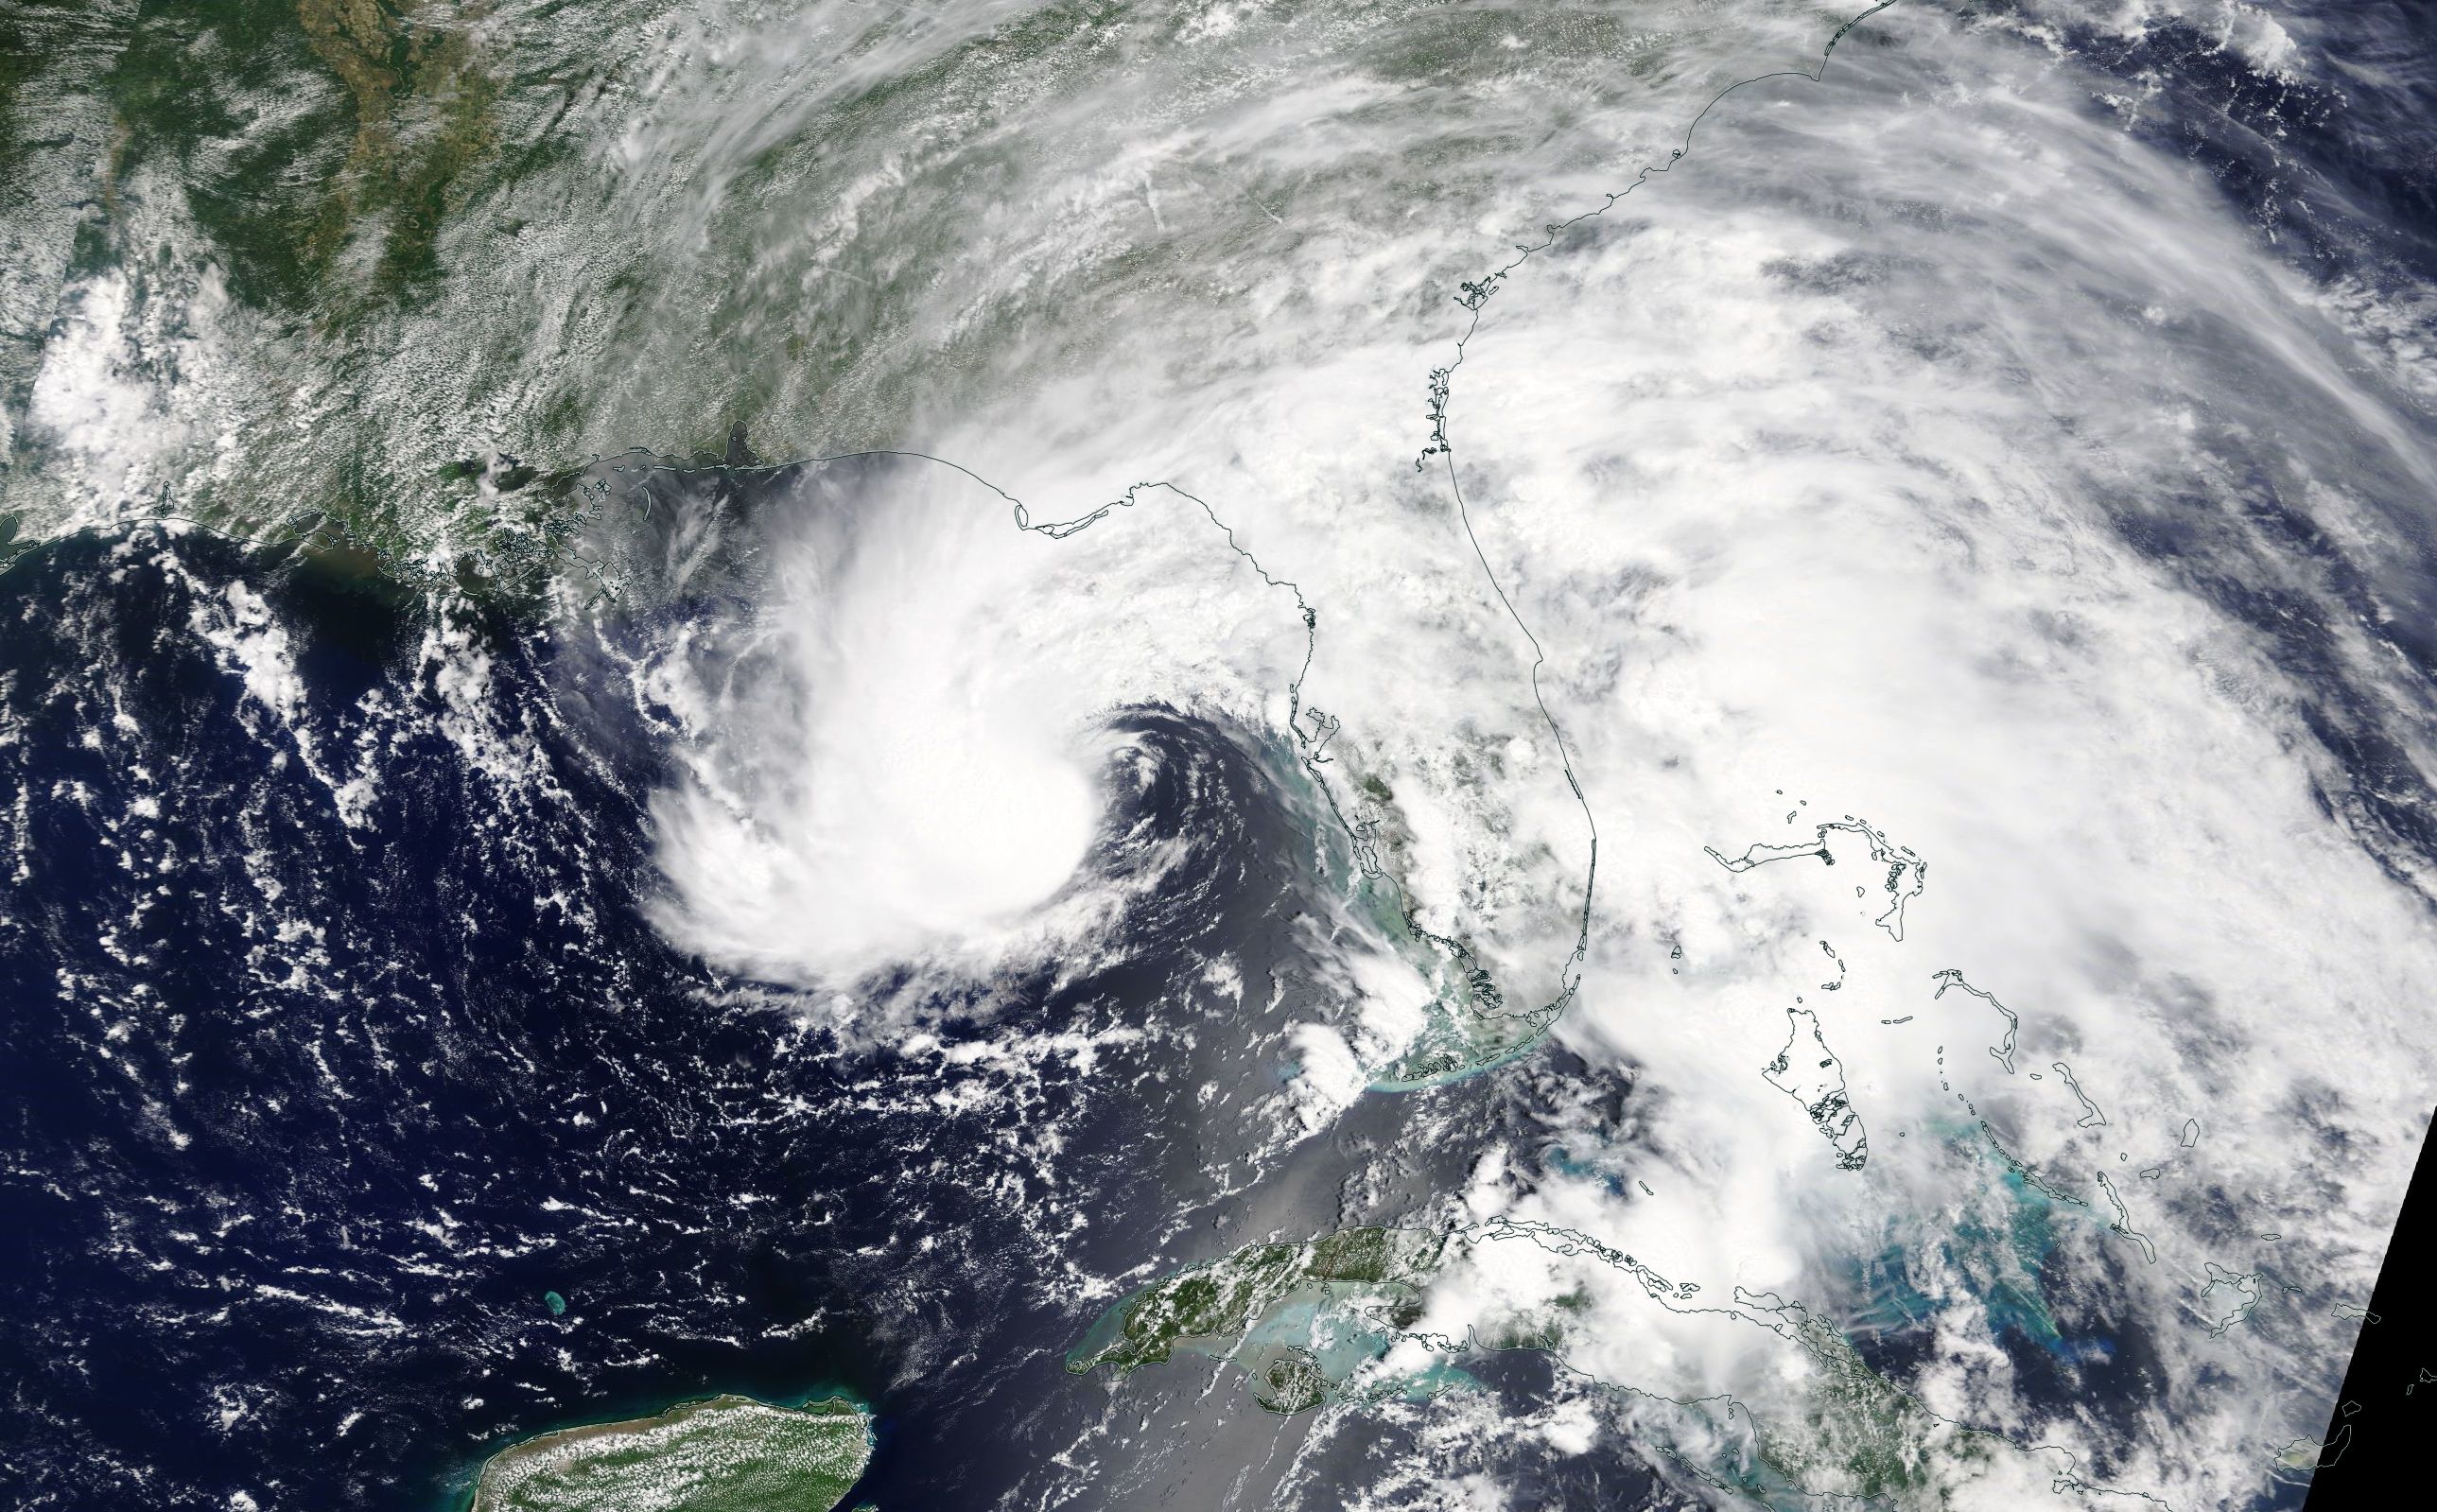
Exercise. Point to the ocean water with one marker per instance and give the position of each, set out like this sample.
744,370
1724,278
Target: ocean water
837,934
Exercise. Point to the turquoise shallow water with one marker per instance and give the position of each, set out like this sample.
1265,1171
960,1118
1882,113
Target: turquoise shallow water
367,1109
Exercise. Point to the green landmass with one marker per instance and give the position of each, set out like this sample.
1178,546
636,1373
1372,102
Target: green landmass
1298,1319
722,1455
384,274
1223,1299
1302,1320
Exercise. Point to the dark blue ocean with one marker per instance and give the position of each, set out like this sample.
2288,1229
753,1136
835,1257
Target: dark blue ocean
334,1034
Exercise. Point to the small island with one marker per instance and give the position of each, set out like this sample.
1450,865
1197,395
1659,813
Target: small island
722,1454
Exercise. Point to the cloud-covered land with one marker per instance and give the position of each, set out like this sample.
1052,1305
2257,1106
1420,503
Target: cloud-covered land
1966,568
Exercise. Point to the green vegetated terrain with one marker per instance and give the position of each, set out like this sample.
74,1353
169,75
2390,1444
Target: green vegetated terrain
1297,1318
1300,1320
386,275
724,1454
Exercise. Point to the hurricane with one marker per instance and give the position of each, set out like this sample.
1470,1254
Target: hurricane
1357,754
